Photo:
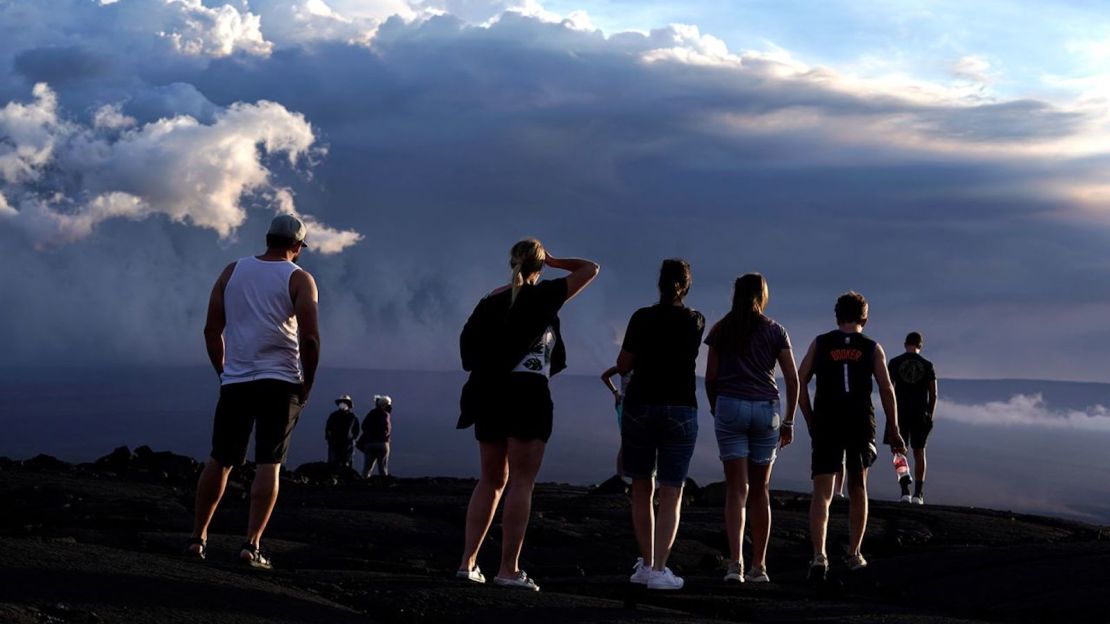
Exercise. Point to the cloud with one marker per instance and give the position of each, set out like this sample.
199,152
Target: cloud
1026,410
453,129
973,68
5,209
71,177
214,32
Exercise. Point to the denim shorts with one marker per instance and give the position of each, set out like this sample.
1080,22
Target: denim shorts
658,440
747,429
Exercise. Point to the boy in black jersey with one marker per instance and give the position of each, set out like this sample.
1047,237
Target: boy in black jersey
915,384
841,423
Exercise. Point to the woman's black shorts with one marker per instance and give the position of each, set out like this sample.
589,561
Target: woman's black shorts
517,406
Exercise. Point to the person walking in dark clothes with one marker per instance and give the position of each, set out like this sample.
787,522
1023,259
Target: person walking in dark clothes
915,386
340,432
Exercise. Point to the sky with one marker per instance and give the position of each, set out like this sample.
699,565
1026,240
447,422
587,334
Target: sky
947,159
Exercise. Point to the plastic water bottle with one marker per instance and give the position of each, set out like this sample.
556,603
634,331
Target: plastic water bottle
902,467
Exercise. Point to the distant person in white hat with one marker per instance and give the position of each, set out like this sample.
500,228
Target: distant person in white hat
263,339
340,432
376,432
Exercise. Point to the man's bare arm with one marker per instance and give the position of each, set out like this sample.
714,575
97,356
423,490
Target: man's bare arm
890,405
302,287
933,396
216,321
805,373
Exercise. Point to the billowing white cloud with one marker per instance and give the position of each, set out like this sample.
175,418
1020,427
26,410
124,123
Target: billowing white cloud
291,22
215,32
685,43
70,177
1026,410
109,117
29,132
5,209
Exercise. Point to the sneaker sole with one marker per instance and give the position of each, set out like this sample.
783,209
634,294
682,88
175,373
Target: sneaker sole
665,588
734,578
534,588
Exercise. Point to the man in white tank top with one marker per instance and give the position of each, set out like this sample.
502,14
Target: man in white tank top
264,341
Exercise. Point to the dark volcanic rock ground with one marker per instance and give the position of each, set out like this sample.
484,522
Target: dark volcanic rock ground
99,543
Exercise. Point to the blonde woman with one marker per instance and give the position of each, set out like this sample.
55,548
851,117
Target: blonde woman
511,345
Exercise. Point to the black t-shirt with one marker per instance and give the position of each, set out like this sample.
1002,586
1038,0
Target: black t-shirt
501,332
912,375
665,340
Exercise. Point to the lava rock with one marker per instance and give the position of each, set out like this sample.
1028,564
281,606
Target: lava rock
45,462
613,485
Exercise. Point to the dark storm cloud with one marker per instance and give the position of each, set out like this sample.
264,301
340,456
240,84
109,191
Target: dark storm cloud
446,142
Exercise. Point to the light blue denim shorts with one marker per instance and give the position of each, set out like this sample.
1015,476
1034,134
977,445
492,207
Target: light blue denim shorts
747,429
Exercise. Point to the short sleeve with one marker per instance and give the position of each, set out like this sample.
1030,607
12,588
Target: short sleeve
552,294
783,339
930,373
714,334
699,327
634,335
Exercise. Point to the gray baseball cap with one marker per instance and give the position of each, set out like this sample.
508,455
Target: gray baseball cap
288,226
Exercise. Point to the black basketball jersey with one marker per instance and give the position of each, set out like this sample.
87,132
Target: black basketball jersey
844,364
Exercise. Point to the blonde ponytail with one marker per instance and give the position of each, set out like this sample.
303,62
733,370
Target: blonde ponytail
517,281
526,259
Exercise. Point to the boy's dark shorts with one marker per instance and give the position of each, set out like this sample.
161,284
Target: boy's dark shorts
269,407
851,445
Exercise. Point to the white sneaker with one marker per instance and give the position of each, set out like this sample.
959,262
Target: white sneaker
818,568
855,562
665,580
735,572
757,575
474,576
918,500
520,581
905,498
640,572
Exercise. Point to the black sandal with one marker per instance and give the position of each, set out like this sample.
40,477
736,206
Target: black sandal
201,553
256,558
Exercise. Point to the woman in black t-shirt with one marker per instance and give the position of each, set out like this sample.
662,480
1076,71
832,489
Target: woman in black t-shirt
511,345
659,425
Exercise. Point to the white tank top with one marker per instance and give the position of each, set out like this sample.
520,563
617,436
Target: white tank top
260,338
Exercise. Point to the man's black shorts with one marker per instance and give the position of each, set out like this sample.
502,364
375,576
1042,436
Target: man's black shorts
914,427
847,442
268,406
